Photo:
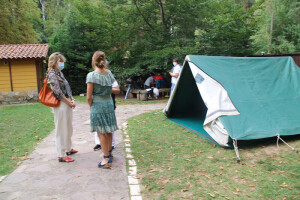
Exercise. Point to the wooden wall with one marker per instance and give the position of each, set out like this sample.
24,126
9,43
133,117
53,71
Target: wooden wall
4,77
295,56
23,74
296,59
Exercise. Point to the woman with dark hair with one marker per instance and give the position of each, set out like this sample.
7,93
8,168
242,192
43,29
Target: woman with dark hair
103,119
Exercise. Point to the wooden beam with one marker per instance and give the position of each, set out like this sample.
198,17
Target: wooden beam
10,74
37,74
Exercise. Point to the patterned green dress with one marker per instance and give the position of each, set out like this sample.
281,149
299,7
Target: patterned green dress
103,118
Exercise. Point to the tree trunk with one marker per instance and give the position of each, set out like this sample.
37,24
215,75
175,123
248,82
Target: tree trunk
56,7
271,25
162,15
43,10
55,13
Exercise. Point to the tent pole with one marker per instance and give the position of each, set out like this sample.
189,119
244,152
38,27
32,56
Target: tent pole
238,160
279,138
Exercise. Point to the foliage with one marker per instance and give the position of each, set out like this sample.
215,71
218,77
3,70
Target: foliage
20,132
78,38
173,163
17,20
278,26
225,30
158,32
142,36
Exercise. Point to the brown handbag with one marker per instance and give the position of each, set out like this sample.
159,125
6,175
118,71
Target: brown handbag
46,96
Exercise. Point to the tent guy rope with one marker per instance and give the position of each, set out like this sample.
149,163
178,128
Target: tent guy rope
279,138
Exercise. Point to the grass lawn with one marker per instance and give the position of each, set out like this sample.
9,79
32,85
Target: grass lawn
121,101
21,128
174,163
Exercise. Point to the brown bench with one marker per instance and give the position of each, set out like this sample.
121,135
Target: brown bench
142,94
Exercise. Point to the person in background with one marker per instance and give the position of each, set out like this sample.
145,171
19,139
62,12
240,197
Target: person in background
140,82
115,90
149,81
63,113
159,80
102,118
174,74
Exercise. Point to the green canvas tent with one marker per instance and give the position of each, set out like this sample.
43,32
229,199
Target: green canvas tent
226,99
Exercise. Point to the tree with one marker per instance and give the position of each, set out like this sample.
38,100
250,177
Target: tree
17,19
225,30
278,26
82,33
152,33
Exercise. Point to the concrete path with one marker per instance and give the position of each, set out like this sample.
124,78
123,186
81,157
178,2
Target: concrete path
42,177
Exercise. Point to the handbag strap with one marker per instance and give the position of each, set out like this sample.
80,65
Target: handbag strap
55,75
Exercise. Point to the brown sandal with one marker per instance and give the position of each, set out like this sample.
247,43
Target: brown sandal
65,159
73,151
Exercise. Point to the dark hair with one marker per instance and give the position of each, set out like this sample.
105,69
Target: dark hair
99,60
175,59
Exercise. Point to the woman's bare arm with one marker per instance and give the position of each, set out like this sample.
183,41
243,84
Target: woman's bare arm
116,90
89,92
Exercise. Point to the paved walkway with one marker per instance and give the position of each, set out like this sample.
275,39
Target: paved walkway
42,177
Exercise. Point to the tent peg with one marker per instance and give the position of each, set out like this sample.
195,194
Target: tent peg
279,138
238,160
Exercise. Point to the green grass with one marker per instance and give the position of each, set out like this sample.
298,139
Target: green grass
174,163
21,128
122,101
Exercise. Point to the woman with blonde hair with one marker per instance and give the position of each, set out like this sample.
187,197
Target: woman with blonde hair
103,119
63,113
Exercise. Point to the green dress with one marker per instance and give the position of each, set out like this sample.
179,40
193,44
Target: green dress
103,118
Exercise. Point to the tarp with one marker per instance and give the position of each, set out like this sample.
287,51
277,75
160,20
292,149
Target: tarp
237,98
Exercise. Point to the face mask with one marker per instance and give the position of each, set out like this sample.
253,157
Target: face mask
61,66
174,63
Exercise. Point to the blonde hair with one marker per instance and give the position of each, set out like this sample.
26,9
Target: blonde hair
53,58
99,60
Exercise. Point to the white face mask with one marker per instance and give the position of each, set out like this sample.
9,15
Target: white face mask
174,63
61,66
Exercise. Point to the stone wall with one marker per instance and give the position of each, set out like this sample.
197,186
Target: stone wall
18,97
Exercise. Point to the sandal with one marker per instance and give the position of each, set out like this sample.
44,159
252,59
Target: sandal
65,159
110,154
107,165
73,151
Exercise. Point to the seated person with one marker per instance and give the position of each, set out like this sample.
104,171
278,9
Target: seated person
159,81
149,81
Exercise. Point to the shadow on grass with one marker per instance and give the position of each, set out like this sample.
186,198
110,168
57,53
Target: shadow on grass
249,144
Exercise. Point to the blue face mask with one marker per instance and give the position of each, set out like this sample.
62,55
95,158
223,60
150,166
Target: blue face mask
61,66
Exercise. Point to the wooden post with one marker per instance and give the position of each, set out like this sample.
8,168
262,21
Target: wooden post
10,74
37,66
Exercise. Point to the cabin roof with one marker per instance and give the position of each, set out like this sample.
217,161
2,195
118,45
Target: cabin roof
23,51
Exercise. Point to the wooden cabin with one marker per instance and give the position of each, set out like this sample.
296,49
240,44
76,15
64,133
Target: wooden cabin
21,72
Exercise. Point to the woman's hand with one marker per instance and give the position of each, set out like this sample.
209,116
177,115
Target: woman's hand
70,103
73,103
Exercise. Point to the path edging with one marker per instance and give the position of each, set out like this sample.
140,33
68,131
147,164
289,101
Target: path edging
133,181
